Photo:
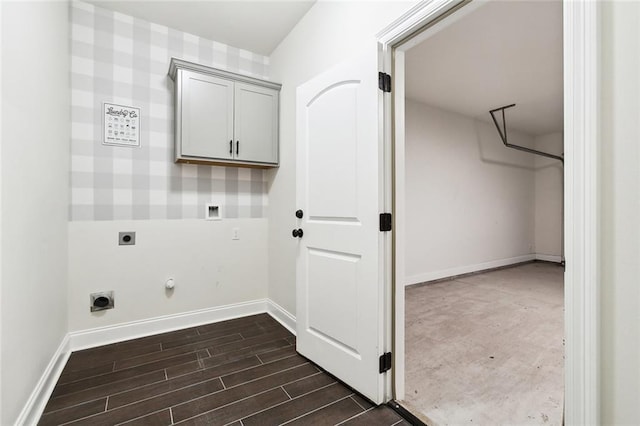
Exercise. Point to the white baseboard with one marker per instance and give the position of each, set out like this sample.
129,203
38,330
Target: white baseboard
549,257
281,315
30,414
460,270
131,330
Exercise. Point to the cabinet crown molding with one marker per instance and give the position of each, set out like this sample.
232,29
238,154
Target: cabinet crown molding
177,64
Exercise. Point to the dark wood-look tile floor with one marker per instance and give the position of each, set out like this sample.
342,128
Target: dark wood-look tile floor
243,371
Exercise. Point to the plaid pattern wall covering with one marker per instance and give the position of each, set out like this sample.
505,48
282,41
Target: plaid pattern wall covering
124,60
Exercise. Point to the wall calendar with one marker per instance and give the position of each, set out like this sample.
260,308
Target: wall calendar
121,125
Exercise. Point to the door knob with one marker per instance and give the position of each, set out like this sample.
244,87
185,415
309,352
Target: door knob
297,233
299,214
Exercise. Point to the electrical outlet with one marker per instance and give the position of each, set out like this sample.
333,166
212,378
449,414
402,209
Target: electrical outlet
127,238
235,234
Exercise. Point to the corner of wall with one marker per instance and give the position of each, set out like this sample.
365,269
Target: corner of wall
281,315
35,405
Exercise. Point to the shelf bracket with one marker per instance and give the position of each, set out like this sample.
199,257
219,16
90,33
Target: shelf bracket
503,135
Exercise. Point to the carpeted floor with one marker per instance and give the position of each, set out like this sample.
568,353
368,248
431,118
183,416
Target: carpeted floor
487,349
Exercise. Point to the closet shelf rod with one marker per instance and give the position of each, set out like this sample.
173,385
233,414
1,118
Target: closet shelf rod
503,135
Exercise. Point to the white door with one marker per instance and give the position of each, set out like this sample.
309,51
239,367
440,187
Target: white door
207,116
339,283
256,123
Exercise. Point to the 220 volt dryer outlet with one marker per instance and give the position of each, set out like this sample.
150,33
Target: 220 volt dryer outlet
127,238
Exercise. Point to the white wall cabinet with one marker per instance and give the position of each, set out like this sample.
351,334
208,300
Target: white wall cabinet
224,118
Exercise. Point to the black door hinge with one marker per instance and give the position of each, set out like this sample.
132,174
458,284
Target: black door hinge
384,82
385,362
385,222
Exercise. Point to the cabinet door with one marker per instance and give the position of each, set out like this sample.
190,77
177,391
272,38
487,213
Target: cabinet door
256,124
207,116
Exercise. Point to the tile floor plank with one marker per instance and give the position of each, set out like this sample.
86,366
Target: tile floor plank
365,404
238,410
152,339
75,412
222,325
82,360
277,354
250,374
104,390
309,384
83,385
255,349
299,406
240,329
168,353
229,347
180,382
73,376
185,368
206,362
159,418
329,415
211,402
259,330
148,406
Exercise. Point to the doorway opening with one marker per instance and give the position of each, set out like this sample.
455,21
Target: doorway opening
481,251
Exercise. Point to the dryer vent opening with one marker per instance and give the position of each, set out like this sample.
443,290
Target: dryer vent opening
101,301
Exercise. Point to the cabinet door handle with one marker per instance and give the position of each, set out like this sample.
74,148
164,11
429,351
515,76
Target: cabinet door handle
237,147
231,147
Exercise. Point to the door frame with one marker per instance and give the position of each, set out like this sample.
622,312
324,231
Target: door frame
581,195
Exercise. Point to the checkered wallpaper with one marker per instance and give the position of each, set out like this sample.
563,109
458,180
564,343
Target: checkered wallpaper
124,60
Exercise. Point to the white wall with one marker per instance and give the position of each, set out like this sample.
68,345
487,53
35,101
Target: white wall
209,268
35,193
548,197
620,213
329,33
469,200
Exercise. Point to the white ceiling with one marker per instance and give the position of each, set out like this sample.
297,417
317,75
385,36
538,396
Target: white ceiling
257,26
503,52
